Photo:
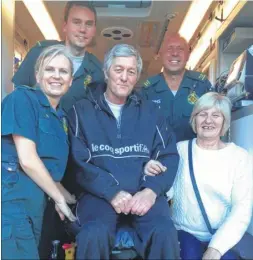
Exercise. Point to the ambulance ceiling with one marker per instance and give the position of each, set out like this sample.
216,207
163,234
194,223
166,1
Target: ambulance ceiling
139,23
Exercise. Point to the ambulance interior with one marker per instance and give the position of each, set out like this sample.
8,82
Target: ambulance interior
220,35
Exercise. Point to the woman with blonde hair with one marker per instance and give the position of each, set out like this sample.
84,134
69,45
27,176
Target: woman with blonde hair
34,154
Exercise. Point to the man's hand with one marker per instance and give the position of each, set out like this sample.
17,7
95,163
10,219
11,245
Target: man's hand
153,168
142,202
120,202
211,254
63,210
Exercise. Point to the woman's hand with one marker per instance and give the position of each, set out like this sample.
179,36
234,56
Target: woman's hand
63,210
37,171
153,168
70,199
211,254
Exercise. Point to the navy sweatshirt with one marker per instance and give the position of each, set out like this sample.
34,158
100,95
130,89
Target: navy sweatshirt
110,155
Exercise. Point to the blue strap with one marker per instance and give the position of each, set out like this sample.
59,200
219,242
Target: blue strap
196,190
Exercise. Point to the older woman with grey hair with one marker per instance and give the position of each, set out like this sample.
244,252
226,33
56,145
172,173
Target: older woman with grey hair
223,176
34,154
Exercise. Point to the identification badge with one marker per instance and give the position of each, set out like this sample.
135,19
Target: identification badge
87,80
65,125
192,98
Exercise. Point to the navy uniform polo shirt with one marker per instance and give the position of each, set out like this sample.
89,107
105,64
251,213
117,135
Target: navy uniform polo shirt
90,71
27,112
177,108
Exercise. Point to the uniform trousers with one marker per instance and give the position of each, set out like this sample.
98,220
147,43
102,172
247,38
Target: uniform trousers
22,213
20,231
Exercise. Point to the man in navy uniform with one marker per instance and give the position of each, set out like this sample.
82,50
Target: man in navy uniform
176,89
79,28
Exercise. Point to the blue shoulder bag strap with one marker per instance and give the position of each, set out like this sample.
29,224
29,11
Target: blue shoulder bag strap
196,190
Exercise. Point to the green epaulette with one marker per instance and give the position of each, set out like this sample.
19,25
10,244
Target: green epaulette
47,43
146,84
196,75
151,81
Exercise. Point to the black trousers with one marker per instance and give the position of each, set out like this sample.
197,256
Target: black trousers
52,229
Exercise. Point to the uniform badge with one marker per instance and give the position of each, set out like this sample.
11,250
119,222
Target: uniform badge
192,98
65,125
87,80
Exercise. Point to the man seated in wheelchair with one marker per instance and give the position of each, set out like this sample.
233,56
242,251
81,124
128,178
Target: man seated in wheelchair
114,135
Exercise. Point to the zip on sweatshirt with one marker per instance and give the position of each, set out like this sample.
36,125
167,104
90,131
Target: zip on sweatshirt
118,122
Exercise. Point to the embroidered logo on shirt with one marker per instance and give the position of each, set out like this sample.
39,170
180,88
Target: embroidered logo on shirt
192,98
87,80
65,125
157,101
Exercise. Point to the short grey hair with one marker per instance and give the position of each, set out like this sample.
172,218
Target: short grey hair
210,100
48,54
122,50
